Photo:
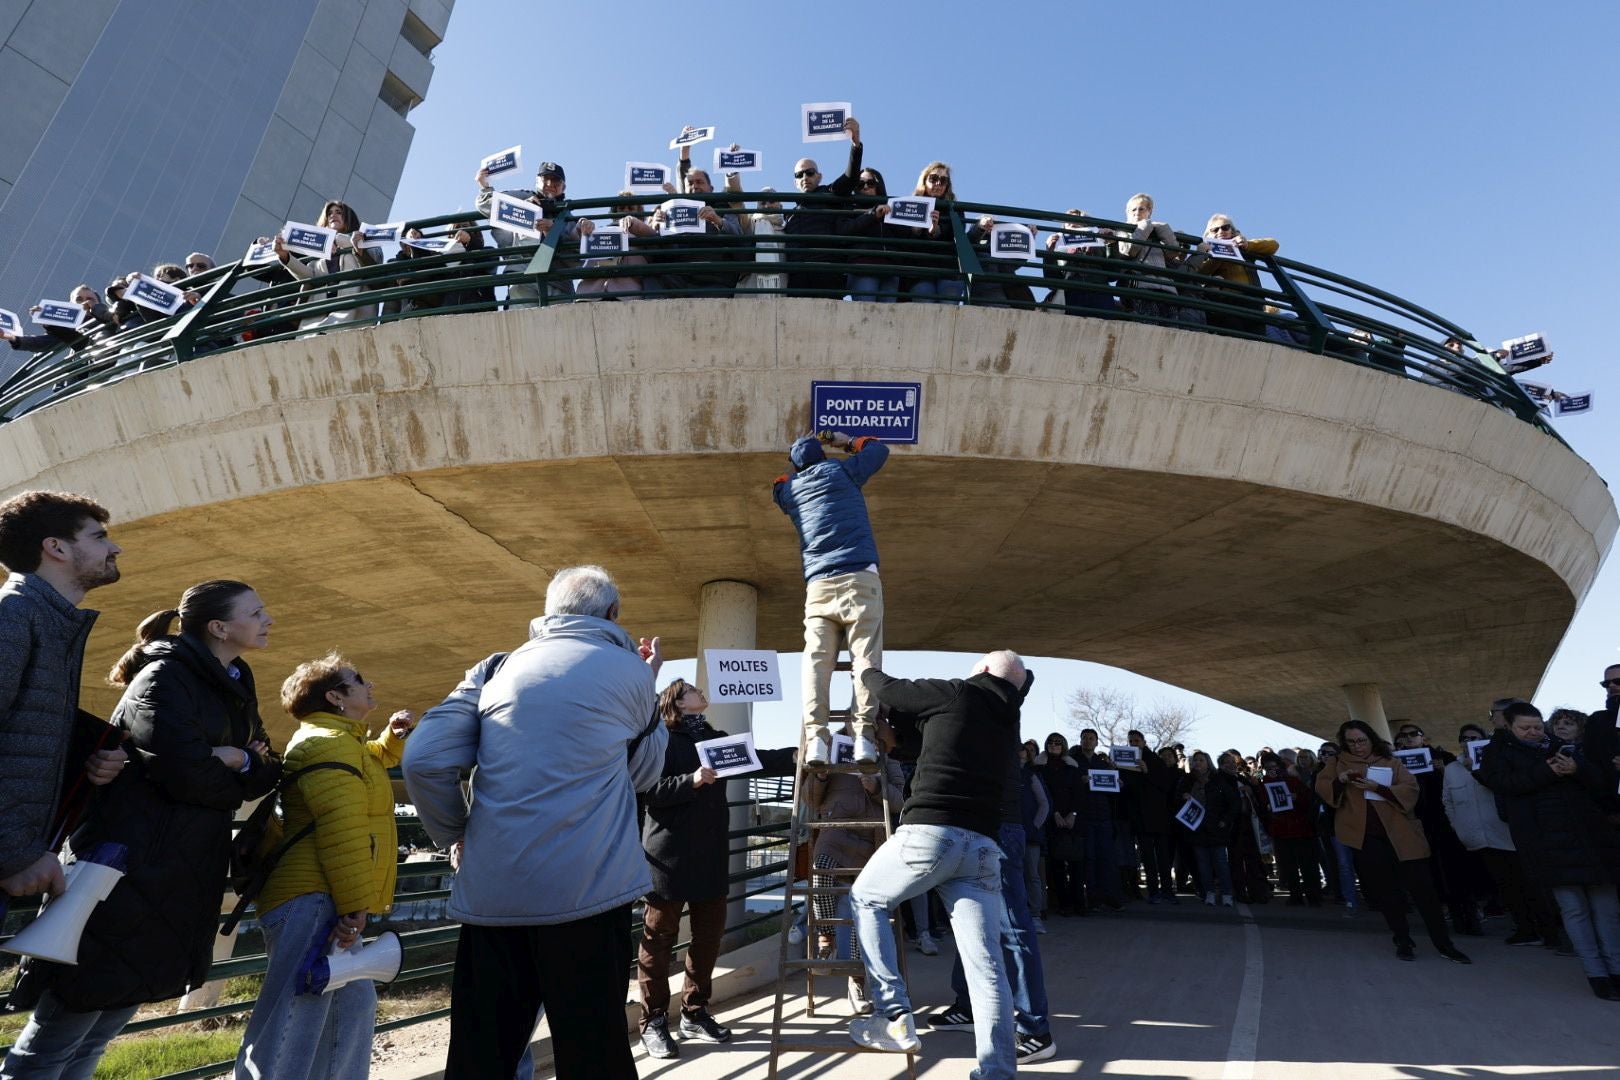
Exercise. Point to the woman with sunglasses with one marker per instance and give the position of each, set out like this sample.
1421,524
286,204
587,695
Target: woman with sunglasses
1233,279
935,182
871,278
326,884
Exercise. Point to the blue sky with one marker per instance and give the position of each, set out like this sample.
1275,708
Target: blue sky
1462,155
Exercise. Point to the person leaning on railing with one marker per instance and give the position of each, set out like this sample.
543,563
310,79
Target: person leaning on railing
1153,245
715,224
99,322
626,216
987,293
935,181
1084,287
1241,274
813,221
871,276
550,188
324,886
347,255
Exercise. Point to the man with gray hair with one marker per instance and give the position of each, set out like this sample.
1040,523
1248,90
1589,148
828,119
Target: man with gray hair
559,735
948,841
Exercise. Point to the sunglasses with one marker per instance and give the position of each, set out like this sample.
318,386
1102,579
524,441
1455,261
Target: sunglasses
1609,682
802,173
865,182
936,178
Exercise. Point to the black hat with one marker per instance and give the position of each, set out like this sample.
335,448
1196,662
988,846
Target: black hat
552,169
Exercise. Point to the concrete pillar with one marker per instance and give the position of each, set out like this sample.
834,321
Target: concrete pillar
1366,705
727,619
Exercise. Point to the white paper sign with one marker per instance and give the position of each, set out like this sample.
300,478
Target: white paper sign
606,242
1419,759
9,322
1191,814
1076,240
1225,249
843,749
1529,347
1476,747
642,177
378,235
1382,775
154,294
742,675
261,254
692,135
434,245
313,240
516,215
681,216
1012,241
823,121
916,211
1103,780
508,160
729,754
1279,797
738,161
63,313
1126,755
1572,404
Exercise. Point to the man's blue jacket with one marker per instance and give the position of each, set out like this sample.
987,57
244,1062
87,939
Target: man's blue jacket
825,502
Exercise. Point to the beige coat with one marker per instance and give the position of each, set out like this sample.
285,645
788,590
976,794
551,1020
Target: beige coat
1395,812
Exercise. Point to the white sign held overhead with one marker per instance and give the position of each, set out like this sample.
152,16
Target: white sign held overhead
1572,404
1012,241
1191,814
738,161
691,136
1529,347
316,241
516,215
644,177
9,322
916,211
1126,756
729,754
504,161
742,675
262,254
1278,797
823,121
61,313
154,294
377,235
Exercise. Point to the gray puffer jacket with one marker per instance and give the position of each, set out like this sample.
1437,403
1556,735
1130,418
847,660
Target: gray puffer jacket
42,639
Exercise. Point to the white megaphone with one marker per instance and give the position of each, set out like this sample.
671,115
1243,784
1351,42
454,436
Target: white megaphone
54,935
379,961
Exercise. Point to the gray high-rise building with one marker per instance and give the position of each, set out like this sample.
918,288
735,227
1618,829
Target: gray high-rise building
137,131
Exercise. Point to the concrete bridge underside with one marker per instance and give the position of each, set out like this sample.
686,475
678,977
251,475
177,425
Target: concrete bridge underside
1244,520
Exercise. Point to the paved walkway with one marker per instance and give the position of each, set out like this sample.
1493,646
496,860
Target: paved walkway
1263,993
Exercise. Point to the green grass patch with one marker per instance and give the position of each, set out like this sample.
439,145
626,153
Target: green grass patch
138,1057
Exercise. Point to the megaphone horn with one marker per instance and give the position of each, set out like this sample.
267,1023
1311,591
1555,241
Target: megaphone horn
379,961
55,934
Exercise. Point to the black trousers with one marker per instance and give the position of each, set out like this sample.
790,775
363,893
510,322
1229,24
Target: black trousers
1530,910
1296,866
1157,851
1388,881
578,970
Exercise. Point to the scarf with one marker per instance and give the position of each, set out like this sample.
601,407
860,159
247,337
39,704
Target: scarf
693,726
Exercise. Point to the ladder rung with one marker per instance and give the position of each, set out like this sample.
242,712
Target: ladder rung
831,1045
836,871
848,767
828,967
831,922
823,890
846,824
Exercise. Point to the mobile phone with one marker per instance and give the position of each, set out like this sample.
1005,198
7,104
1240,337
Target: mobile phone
1567,750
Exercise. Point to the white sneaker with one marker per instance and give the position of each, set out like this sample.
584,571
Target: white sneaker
818,752
1226,901
858,1001
1209,898
881,1033
866,751
795,934
927,945
1035,921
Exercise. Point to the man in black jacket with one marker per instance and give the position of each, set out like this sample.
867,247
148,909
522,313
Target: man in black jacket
1601,742
947,841
820,220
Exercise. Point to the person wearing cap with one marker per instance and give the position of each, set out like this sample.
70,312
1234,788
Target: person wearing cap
843,603
550,189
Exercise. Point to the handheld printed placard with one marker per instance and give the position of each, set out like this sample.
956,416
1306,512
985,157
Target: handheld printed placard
1540,393
729,754
1071,241
605,242
738,160
504,161
1572,404
888,411
61,313
435,245
154,294
1126,757
516,215
742,675
916,211
1278,797
1529,347
377,235
1417,760
1475,747
9,323
1225,249
1383,776
1012,241
681,216
312,240
644,177
261,254
1191,814
692,135
843,749
1103,780
823,121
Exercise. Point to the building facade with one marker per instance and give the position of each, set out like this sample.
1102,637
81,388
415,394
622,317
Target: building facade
136,132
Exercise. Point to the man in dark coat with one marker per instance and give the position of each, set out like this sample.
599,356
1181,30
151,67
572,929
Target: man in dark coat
820,220
1601,742
1148,788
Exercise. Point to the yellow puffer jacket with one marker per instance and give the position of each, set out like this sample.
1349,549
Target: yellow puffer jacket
354,850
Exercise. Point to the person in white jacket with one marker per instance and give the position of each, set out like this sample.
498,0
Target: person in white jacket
1471,809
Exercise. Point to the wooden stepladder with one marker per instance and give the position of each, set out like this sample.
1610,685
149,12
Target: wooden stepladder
832,1037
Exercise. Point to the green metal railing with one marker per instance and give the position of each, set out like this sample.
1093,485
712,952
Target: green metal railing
1294,305
767,842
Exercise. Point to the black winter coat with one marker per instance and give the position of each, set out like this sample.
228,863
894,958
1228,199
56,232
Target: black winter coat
1147,796
153,938
1556,821
1601,743
684,832
1223,807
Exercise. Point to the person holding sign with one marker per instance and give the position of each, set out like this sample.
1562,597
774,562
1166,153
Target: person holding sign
1149,784
1373,796
1218,794
1457,874
352,256
98,322
1293,833
843,603
870,278
1551,796
709,282
816,218
1153,245
1087,290
549,191
688,850
935,182
628,219
1236,277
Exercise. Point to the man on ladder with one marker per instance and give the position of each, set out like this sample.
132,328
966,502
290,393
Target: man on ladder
843,596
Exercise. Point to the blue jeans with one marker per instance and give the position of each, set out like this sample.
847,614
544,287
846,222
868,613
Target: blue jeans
1213,866
1346,859
1592,920
1019,950
937,291
61,1044
309,1036
879,287
965,867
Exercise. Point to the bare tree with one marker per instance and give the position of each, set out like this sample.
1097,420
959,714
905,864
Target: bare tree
1112,712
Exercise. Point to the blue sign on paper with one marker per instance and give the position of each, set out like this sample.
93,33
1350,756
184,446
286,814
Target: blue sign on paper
682,216
648,176
1570,404
518,214
1526,348
58,313
9,322
887,410
604,242
736,160
155,294
825,122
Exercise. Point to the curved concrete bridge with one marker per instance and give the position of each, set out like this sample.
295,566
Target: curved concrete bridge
1249,521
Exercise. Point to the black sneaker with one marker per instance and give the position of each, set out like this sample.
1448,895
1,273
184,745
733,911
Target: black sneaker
1454,954
1405,950
1035,1048
703,1027
1523,937
655,1038
954,1018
